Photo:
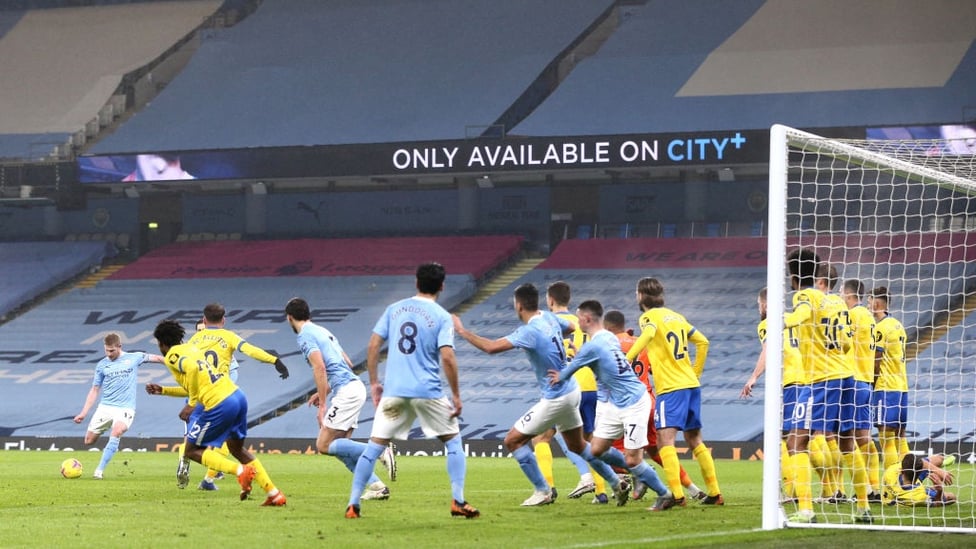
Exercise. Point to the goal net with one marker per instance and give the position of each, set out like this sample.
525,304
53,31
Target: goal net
900,218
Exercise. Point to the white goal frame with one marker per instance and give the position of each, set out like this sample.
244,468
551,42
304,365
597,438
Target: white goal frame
783,139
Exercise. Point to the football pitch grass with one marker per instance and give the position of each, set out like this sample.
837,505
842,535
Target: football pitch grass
138,505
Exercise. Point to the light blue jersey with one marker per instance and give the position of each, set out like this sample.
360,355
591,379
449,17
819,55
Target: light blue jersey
316,338
614,375
542,339
117,379
416,329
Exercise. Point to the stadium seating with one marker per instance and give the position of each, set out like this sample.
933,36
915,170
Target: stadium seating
72,60
441,67
673,67
47,355
205,258
942,384
662,49
28,269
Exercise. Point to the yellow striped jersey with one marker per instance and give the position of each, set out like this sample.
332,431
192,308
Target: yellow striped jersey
219,344
793,372
665,334
823,329
862,322
584,376
889,342
201,380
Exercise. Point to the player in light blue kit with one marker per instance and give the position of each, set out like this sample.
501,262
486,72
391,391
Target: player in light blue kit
421,345
623,403
541,336
115,379
332,371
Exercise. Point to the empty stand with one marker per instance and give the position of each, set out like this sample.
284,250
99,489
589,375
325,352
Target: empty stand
198,258
47,355
942,385
28,269
681,66
334,80
72,60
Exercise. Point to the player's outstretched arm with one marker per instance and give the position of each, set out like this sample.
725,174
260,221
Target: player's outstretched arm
647,333
174,391
490,346
258,353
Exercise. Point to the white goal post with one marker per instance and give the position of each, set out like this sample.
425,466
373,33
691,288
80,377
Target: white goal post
899,214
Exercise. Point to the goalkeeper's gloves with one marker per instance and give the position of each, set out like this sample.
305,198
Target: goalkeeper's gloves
281,368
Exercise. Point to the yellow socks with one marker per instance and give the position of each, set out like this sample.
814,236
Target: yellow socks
903,448
672,471
854,463
224,451
873,465
601,485
707,466
261,476
836,469
213,460
786,470
817,448
801,484
543,454
889,445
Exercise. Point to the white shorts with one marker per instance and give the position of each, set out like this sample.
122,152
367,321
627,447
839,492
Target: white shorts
105,416
563,412
630,422
344,406
395,416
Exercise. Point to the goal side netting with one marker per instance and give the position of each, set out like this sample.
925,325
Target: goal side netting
896,219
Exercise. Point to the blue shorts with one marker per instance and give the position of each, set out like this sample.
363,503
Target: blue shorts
680,409
796,407
891,409
587,410
833,405
225,420
862,405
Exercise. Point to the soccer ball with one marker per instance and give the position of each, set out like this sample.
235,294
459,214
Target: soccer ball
71,468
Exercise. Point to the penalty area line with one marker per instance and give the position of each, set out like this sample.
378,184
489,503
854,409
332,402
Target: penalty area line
659,539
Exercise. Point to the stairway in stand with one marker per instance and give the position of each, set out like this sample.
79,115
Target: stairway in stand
93,279
499,282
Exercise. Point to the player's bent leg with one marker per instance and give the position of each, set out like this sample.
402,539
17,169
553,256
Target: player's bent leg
641,473
262,477
602,465
517,443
